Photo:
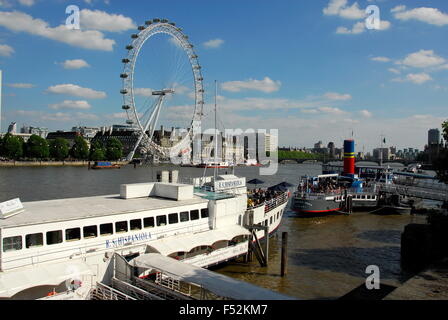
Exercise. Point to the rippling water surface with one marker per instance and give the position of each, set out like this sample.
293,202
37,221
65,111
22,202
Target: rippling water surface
327,256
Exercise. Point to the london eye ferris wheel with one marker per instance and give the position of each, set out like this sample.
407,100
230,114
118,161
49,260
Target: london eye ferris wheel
162,86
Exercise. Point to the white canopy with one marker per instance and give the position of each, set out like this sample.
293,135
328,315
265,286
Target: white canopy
185,243
13,282
219,284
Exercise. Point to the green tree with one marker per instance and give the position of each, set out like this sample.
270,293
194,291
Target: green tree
36,147
12,147
80,150
59,149
114,149
97,151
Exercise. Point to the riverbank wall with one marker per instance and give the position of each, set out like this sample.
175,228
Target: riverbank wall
424,244
13,164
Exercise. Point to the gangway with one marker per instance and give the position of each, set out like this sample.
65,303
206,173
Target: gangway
202,283
415,192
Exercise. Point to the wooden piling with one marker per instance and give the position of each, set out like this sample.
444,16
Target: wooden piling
284,262
266,248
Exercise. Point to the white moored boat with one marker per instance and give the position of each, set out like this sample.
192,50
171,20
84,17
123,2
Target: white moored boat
47,247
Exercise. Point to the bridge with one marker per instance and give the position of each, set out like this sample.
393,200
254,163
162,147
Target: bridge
326,161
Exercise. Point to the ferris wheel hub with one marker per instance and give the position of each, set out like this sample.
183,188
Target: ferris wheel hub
163,92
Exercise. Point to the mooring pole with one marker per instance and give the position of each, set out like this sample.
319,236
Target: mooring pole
284,263
266,248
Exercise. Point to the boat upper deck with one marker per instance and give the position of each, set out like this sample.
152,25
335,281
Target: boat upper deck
60,210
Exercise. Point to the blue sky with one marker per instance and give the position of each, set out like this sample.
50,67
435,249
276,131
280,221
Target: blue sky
308,68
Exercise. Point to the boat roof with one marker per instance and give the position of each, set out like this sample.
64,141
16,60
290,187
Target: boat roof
219,284
49,211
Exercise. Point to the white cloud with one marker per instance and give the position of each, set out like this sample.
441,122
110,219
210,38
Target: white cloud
417,78
393,70
398,8
70,104
213,44
380,59
27,3
366,113
42,118
21,85
22,22
340,8
6,51
337,96
103,21
428,15
144,92
422,59
331,110
77,91
75,64
360,27
266,85
384,25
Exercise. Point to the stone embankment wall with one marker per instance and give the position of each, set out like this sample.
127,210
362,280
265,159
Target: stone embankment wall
50,163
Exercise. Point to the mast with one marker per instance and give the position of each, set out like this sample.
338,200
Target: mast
216,132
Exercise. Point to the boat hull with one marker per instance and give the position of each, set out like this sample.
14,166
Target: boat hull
315,206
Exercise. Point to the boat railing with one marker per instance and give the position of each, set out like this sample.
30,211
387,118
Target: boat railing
277,201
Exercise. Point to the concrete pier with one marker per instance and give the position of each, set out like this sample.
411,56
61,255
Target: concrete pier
431,284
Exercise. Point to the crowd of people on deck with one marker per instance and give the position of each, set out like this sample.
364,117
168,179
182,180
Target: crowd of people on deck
323,185
258,197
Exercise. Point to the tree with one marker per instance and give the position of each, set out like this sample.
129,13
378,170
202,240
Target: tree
80,150
12,146
441,162
114,149
59,149
97,151
37,147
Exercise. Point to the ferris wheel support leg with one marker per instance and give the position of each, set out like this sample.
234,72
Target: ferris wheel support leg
159,107
155,112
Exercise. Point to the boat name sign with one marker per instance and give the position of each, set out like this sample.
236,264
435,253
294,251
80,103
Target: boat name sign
122,241
229,184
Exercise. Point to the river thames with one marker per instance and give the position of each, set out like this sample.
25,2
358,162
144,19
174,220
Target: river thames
327,256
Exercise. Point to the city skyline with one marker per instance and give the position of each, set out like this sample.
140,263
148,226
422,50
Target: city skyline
309,69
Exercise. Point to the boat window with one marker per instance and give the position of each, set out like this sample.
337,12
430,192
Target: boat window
184,216
106,229
136,224
194,214
270,220
204,213
121,226
148,222
161,221
71,234
12,243
90,232
266,222
54,237
34,240
173,218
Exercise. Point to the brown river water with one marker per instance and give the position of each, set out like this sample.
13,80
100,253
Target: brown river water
327,256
